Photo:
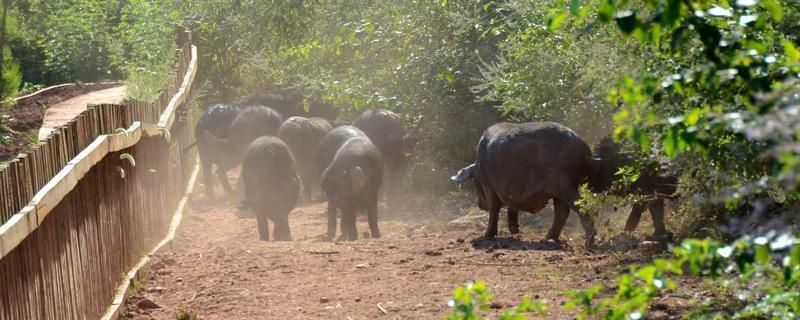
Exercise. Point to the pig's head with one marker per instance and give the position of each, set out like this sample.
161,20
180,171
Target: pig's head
468,173
603,165
465,174
342,186
409,143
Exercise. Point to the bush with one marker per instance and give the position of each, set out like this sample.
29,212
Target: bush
91,40
761,276
763,272
11,77
471,299
717,78
145,49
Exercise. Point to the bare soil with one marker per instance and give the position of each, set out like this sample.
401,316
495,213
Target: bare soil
25,120
218,269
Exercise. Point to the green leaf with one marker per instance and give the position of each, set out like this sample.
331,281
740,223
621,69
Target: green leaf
555,21
640,137
605,11
575,6
762,254
369,28
760,47
670,142
774,9
791,53
693,117
672,12
359,103
677,39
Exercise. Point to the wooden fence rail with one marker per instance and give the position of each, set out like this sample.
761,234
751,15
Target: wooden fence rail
23,176
76,215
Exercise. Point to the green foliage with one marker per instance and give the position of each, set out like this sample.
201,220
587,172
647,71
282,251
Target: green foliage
184,314
90,40
763,272
145,47
235,34
471,300
418,58
76,37
564,77
11,77
719,76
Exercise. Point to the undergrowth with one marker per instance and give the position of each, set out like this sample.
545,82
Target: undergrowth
759,278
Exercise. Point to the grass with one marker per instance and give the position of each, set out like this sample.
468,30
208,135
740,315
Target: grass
136,285
184,314
144,85
32,138
144,277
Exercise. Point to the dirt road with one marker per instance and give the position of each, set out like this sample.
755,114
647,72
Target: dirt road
218,269
61,113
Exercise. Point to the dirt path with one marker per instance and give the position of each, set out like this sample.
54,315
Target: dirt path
218,269
61,113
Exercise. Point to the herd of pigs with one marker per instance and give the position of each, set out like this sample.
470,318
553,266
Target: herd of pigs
285,143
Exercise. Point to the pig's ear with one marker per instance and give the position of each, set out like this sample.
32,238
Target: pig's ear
358,178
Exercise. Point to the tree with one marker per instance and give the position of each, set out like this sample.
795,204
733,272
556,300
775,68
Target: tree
9,69
720,88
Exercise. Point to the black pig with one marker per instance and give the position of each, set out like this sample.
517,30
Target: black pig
523,166
271,185
302,136
386,130
352,183
216,120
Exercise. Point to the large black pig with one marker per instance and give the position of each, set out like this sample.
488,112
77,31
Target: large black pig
271,185
653,182
302,136
351,183
216,120
386,130
523,166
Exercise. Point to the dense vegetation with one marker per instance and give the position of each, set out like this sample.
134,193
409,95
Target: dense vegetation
763,273
710,88
52,42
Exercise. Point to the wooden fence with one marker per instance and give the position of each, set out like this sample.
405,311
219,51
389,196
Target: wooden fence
76,213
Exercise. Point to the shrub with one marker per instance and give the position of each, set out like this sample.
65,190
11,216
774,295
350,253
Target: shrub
471,299
761,276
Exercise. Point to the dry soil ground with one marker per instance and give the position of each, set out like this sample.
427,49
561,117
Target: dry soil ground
29,121
218,269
